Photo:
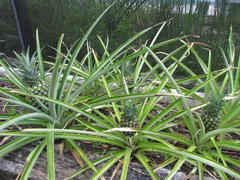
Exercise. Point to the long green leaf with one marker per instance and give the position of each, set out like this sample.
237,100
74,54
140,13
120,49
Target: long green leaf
23,117
237,75
40,59
179,163
74,108
50,153
231,144
20,103
218,150
95,162
55,79
231,113
139,67
82,154
193,156
166,135
16,144
142,159
208,135
67,135
109,164
77,50
18,133
200,171
230,160
165,163
12,75
106,135
116,110
209,156
164,81
31,160
191,124
126,162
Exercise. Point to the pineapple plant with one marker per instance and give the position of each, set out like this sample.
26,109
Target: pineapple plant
129,117
27,69
212,112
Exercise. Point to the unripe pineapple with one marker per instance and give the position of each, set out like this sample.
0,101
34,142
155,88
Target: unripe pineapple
41,89
211,112
129,117
28,72
128,71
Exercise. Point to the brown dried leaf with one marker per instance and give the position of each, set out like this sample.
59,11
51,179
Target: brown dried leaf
116,170
4,140
61,147
79,160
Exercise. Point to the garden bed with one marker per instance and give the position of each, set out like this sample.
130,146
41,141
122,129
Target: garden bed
147,122
13,163
66,162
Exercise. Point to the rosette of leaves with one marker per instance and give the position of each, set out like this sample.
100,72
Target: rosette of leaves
205,147
54,109
149,136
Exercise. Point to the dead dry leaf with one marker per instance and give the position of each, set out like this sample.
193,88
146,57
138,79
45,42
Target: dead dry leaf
116,170
61,147
4,140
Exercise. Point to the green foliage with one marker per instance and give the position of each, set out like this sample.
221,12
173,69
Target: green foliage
75,114
8,33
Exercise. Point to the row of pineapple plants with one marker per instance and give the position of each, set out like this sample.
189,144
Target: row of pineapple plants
120,113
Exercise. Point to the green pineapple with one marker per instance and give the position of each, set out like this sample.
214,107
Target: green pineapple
128,71
129,117
211,112
28,71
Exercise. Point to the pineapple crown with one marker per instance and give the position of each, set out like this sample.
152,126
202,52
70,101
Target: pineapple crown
27,67
128,68
130,110
216,101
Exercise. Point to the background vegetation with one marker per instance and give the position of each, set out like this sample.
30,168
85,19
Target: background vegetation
123,109
208,19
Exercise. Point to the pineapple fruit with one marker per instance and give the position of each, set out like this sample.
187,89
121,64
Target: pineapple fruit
27,69
211,112
129,117
128,70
